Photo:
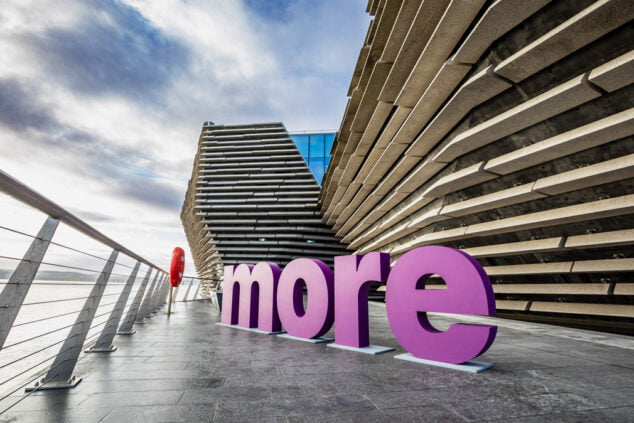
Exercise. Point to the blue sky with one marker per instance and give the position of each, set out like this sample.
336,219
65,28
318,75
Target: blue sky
101,101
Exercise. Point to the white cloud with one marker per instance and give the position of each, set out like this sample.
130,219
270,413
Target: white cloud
104,100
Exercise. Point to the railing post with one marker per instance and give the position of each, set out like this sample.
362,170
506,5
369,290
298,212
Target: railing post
157,300
144,311
104,343
191,282
175,294
155,296
167,291
18,285
197,289
60,375
126,326
169,303
168,285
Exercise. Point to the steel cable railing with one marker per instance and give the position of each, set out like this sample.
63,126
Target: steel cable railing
61,300
5,228
36,300
193,290
15,325
23,341
90,340
2,366
65,266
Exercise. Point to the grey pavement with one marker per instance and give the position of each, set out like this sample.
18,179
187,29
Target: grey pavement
185,368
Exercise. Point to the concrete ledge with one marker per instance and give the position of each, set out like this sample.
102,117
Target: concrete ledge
256,330
469,366
309,340
370,349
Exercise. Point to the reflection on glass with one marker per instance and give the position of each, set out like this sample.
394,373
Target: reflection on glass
315,148
302,144
317,167
317,145
330,138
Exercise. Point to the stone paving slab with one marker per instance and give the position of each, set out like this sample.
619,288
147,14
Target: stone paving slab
185,368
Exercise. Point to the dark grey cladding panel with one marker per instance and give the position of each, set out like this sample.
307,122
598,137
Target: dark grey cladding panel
255,198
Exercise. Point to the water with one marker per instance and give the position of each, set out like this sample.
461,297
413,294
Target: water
43,323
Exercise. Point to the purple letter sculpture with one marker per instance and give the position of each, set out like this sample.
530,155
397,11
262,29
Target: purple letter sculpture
468,292
317,318
353,277
250,294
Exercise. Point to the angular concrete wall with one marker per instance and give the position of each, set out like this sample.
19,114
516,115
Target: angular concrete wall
503,128
252,198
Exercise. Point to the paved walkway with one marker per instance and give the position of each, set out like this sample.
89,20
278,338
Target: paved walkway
186,368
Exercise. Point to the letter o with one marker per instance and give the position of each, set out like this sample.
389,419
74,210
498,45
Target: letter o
318,317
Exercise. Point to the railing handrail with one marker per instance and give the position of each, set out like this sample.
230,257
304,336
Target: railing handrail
197,277
21,192
14,291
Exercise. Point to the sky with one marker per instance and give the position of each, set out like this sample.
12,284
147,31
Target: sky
102,101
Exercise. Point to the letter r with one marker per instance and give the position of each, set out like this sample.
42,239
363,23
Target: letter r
353,277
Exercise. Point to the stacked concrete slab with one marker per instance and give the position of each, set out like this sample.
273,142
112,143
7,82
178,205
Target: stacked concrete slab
503,128
252,198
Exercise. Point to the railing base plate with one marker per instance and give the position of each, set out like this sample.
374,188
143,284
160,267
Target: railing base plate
53,385
101,350
128,333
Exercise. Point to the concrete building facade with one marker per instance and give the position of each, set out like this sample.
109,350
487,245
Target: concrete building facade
252,198
503,128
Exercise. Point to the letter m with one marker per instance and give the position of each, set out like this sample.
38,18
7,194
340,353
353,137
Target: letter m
249,296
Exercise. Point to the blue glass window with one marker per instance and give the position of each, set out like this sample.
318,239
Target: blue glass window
316,145
318,168
330,139
315,148
301,141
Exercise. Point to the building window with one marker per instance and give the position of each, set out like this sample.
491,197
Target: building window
315,148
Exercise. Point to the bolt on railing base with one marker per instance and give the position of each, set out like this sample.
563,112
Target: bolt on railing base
127,333
101,350
42,385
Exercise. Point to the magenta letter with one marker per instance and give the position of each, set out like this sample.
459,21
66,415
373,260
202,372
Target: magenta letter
468,292
249,296
318,316
353,277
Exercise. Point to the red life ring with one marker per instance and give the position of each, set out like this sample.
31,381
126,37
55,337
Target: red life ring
177,267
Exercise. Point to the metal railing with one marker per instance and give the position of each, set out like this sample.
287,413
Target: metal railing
194,288
46,320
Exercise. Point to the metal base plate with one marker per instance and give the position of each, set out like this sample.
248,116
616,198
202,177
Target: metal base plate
53,385
370,349
132,332
140,322
310,340
467,366
101,350
256,330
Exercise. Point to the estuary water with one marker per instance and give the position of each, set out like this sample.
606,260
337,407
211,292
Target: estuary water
43,323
